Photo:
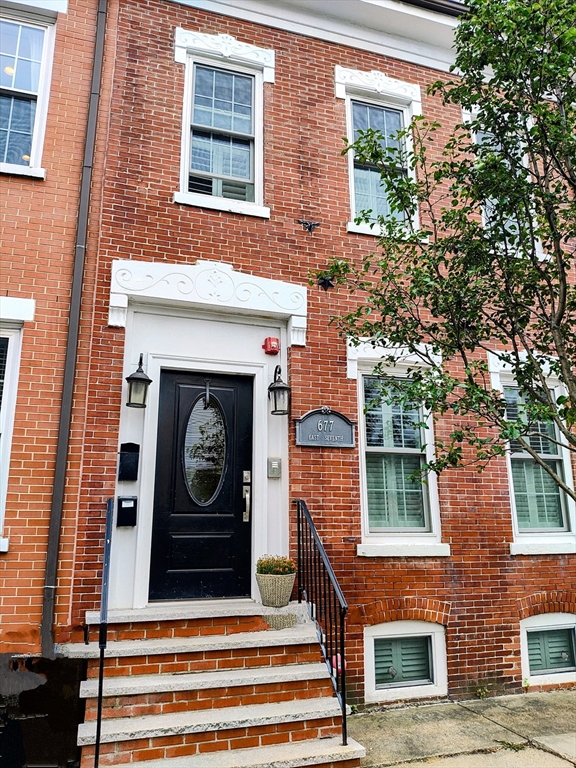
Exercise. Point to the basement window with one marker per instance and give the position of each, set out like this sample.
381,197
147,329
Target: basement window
548,649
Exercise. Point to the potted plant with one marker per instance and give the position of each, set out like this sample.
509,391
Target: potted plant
275,575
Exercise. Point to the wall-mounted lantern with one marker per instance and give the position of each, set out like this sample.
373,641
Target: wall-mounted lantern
279,394
138,384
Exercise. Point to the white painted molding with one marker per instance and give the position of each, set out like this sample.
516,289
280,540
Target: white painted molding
374,82
226,47
403,550
567,546
207,284
17,310
222,204
4,542
373,354
22,170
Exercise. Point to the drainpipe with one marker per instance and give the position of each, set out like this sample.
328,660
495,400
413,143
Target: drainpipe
46,629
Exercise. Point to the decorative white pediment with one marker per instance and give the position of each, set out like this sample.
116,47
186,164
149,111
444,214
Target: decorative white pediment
374,82
371,354
207,284
224,47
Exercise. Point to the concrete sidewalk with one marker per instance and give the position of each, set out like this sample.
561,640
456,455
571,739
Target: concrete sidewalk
536,730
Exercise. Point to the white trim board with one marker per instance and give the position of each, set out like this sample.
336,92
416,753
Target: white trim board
384,27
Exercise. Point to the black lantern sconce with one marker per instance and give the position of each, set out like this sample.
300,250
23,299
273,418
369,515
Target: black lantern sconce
279,394
138,384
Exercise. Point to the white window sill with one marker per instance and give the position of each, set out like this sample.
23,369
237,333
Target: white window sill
222,204
433,549
23,170
425,691
556,546
553,678
3,544
364,228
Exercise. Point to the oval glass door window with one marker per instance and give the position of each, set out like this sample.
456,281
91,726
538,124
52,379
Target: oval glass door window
204,451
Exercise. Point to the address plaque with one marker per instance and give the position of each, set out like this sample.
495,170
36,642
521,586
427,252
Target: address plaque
325,428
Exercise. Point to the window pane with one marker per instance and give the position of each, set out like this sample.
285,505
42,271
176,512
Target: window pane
9,37
394,501
538,498
222,100
16,126
551,650
21,54
515,410
389,425
402,660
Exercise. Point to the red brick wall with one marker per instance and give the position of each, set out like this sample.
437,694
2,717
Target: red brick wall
39,226
476,591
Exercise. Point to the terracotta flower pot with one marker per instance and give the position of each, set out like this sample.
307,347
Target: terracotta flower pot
275,589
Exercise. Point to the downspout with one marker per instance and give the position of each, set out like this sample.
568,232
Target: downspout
46,629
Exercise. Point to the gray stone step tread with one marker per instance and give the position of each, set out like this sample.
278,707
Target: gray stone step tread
291,755
141,684
200,721
300,634
196,610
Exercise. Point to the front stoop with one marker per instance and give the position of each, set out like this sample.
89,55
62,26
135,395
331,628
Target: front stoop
212,687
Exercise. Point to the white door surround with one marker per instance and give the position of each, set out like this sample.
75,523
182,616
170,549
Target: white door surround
199,336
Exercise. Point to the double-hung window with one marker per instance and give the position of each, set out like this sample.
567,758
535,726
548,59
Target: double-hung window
543,515
25,61
222,134
378,102
540,503
369,192
397,499
400,509
222,161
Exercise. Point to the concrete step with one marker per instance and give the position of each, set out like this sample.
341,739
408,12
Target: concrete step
291,755
300,634
142,684
151,726
208,609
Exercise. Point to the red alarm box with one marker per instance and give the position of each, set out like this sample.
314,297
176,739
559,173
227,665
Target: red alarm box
271,345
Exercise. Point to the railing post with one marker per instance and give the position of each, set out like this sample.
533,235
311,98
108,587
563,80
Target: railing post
299,534
343,676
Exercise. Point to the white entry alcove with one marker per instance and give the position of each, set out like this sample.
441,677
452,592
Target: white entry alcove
209,319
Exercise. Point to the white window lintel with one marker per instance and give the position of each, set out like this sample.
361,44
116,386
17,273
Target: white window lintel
350,81
371,354
224,47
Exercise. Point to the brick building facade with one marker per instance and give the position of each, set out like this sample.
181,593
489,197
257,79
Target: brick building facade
219,132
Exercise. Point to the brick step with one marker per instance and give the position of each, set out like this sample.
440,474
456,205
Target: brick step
300,634
143,684
210,698
322,753
302,712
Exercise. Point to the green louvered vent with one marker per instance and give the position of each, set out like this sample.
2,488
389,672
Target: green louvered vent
551,650
402,660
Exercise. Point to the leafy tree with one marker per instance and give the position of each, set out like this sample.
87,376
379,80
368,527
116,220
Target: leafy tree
477,255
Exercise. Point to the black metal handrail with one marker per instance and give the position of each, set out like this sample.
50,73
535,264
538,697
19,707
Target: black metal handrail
319,588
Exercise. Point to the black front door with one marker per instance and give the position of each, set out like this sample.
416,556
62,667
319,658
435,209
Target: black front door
201,529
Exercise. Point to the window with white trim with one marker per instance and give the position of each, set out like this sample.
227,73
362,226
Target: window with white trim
540,503
10,342
400,512
548,648
26,49
381,103
405,660
543,515
396,500
222,132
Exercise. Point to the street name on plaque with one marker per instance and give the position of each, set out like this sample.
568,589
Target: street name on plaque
325,428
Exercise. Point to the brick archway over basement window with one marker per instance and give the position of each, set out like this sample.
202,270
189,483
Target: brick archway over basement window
547,602
401,609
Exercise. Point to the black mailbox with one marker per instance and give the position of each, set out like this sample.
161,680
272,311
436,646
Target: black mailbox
127,511
129,459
